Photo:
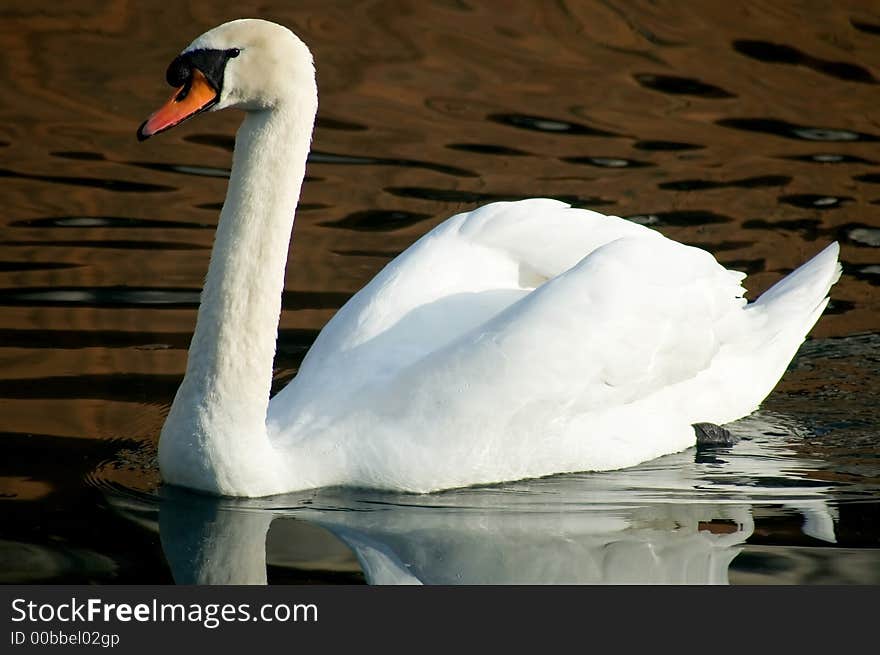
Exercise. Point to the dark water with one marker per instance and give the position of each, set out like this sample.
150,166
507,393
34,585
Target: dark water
750,130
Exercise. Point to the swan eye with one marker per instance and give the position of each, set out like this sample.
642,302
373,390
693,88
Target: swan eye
233,52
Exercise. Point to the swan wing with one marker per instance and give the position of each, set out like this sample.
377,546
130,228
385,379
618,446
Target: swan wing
455,278
634,316
598,368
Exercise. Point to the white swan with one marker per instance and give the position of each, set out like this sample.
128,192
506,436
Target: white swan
518,340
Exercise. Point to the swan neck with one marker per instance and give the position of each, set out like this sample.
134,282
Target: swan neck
215,436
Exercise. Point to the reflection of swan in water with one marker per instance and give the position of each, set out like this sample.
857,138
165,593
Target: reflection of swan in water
673,544
680,519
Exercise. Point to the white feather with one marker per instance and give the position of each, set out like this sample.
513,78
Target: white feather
520,339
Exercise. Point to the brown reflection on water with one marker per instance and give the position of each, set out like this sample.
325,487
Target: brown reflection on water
748,129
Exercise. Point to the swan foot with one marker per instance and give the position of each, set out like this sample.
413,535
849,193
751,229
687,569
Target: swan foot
709,434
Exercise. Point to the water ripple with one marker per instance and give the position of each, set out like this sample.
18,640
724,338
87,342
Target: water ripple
544,124
808,227
748,266
867,28
794,131
78,155
675,85
318,157
106,184
7,266
681,218
666,145
814,200
487,149
776,53
869,273
837,306
473,197
608,162
108,221
377,220
147,296
829,158
862,235
325,123
289,339
119,244
122,387
744,183
186,169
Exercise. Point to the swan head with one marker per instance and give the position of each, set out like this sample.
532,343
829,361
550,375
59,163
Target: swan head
247,64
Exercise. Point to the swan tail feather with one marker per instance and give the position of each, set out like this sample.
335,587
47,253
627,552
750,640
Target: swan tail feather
804,289
786,312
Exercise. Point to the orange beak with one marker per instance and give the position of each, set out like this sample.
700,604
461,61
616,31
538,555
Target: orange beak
194,97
